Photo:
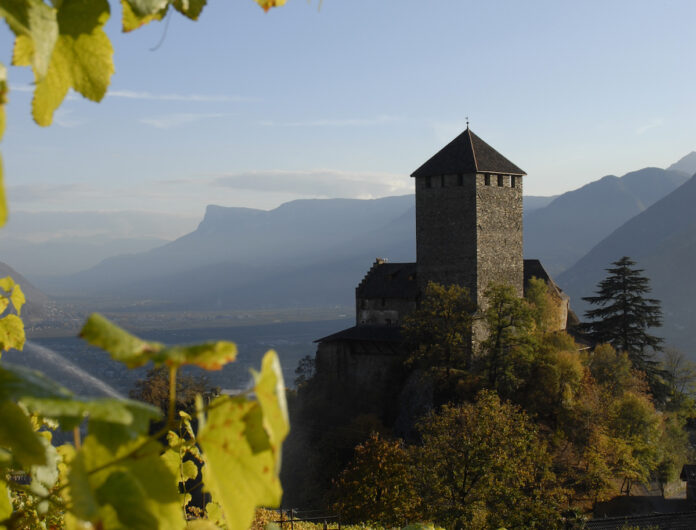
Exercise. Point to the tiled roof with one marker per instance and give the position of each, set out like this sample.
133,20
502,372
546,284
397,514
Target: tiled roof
467,153
366,333
389,280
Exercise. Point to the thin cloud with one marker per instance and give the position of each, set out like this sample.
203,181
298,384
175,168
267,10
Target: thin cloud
29,193
202,98
645,128
168,121
318,183
350,122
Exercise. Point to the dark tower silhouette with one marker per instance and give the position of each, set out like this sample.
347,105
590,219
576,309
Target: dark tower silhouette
469,217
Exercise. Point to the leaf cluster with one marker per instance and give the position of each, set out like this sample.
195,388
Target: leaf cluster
121,476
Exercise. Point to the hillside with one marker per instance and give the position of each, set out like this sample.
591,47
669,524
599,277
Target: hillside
306,252
662,240
562,232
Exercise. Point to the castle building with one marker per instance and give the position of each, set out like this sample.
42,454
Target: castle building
468,232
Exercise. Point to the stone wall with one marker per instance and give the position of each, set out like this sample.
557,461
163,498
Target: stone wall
469,231
499,232
446,230
382,311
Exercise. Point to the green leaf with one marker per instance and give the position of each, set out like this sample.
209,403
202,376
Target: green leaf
130,21
201,524
135,352
17,434
238,477
270,391
81,58
123,347
18,299
190,8
11,333
79,493
112,434
43,477
144,8
35,23
125,493
184,471
5,504
209,356
17,382
140,461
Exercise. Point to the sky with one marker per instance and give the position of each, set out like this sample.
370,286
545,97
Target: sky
346,98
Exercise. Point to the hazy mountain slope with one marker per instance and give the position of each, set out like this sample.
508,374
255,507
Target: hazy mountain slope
662,240
686,164
562,232
59,243
534,202
236,246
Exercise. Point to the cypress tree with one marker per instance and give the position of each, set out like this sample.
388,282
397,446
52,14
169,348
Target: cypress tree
624,314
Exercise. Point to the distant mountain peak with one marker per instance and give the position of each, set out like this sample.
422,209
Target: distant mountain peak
687,164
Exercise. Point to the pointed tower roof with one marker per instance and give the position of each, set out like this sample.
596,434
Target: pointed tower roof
467,153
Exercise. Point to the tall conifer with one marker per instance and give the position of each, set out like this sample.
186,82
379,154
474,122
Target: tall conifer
624,314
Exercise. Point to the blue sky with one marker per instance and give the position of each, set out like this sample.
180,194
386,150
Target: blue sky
246,108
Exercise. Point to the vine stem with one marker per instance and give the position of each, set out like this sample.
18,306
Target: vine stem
172,394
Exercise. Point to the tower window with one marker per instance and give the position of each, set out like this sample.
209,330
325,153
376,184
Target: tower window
460,180
501,182
512,181
442,181
487,180
428,184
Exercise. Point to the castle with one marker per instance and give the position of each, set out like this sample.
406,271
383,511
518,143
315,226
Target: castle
468,232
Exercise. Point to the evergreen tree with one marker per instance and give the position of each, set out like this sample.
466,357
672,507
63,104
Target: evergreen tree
624,315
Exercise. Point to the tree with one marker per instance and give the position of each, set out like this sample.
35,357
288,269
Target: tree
483,465
438,333
624,315
378,484
154,389
506,349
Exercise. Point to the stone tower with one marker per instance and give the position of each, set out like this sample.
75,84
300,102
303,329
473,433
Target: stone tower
469,217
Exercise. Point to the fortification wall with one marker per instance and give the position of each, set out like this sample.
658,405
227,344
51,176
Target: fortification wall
382,311
446,230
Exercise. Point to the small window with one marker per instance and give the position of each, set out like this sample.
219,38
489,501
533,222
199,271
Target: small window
501,181
384,302
460,180
442,181
428,184
388,321
487,180
512,181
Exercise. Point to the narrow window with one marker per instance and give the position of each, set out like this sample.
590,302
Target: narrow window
388,321
442,181
384,302
500,181
428,184
512,181
460,180
487,180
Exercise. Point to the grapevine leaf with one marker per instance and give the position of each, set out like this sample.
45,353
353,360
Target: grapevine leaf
209,356
81,59
17,298
201,524
214,513
190,8
141,461
80,494
35,23
17,382
135,352
186,470
123,347
112,434
7,284
144,8
43,477
17,434
267,4
11,333
131,21
270,391
125,493
4,303
238,476
5,504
